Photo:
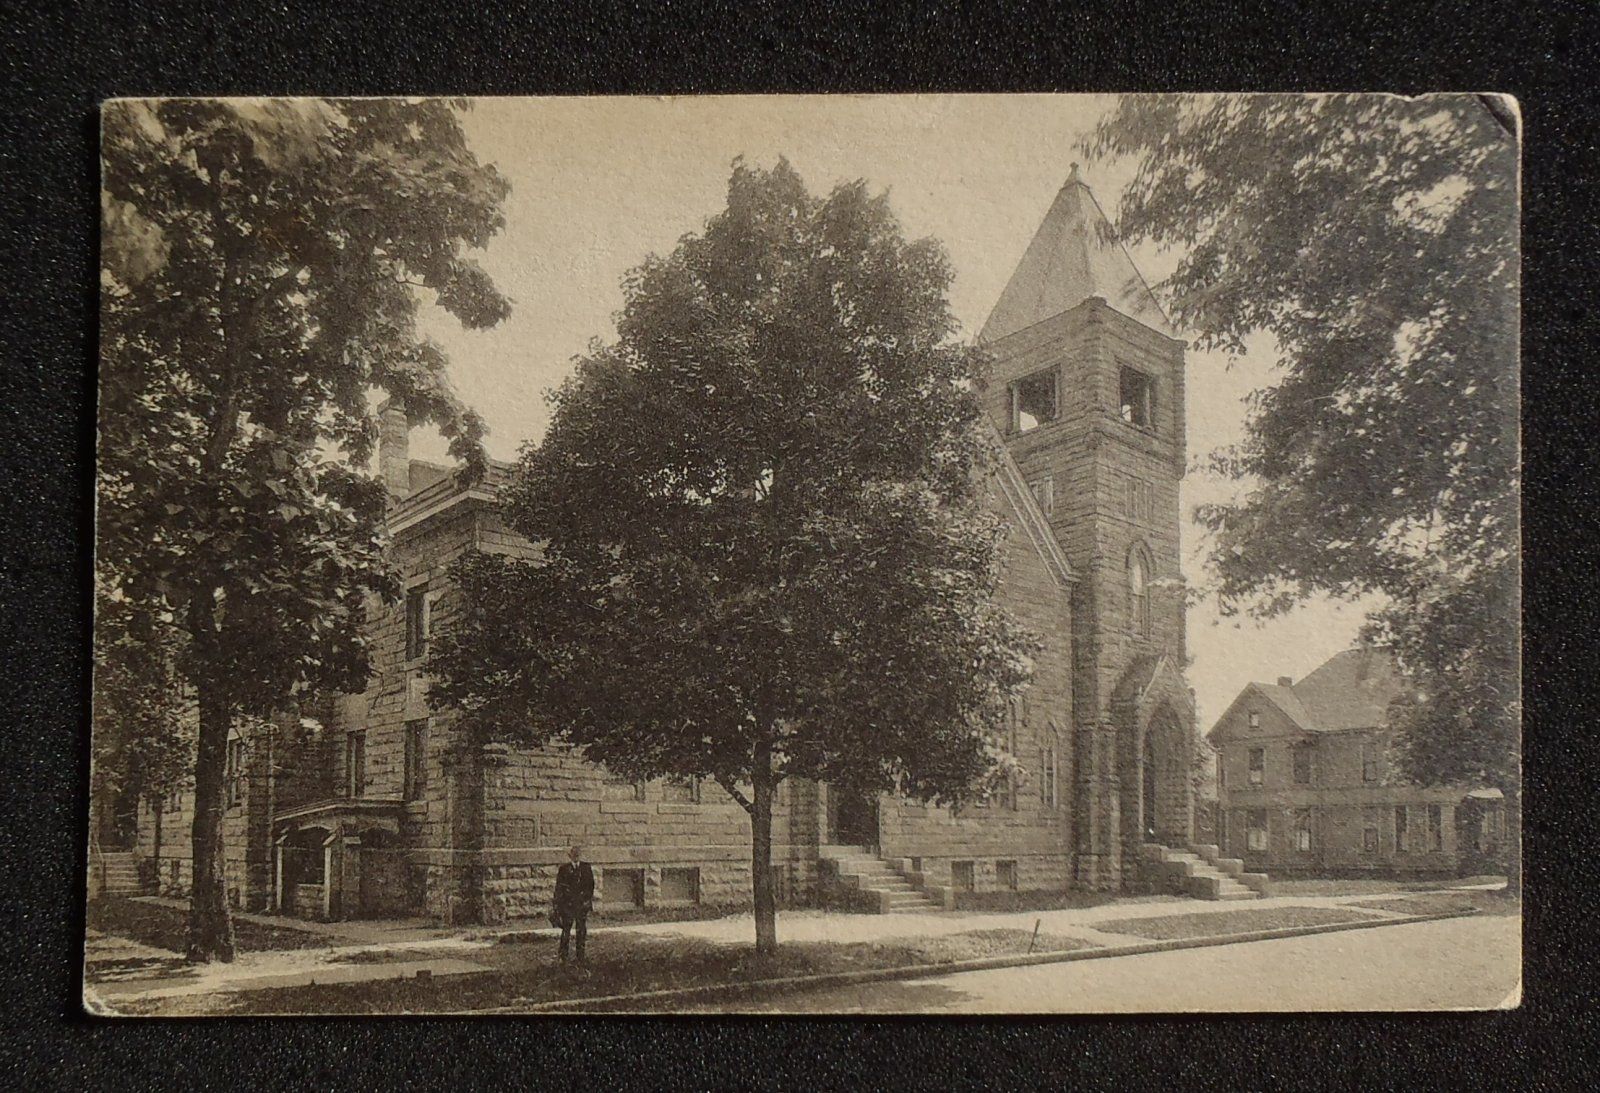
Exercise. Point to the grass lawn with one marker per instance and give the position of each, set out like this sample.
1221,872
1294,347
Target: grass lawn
1210,924
1440,903
1355,886
167,928
1030,901
619,963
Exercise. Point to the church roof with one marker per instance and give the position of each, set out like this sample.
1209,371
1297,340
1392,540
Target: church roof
1074,255
1027,511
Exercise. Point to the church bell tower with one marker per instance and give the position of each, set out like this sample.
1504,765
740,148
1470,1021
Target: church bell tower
1086,386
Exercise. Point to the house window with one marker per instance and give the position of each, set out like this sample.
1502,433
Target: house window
1222,771
1256,835
1303,824
1255,719
1402,841
1369,839
1005,875
1258,765
416,775
1048,774
355,763
1369,761
1044,492
962,877
1302,765
680,885
1139,591
683,791
1435,828
233,774
418,605
1034,401
622,887
1137,398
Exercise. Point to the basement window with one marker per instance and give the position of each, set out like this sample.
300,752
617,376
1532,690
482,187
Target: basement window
962,876
622,887
680,885
1137,398
1034,401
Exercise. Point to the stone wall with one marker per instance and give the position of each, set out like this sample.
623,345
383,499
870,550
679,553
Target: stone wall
1029,829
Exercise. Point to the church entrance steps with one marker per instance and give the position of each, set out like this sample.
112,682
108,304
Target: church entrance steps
872,884
1200,872
117,874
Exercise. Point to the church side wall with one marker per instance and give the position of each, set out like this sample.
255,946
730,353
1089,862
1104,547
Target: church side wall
1031,832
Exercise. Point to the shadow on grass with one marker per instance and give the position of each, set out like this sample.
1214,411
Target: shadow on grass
168,928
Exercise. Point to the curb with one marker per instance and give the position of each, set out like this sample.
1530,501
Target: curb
719,991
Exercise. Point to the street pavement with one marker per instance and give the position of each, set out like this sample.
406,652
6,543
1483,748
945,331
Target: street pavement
1461,963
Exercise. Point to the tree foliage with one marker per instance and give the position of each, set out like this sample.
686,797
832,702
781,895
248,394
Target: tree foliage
1375,239
143,724
262,265
763,549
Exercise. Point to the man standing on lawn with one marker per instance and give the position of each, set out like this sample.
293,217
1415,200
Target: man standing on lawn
574,899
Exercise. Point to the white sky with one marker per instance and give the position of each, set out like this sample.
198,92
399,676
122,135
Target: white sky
599,183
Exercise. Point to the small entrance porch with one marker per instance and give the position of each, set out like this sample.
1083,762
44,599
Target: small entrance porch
339,859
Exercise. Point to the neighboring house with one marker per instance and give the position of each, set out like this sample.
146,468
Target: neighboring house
391,811
1306,786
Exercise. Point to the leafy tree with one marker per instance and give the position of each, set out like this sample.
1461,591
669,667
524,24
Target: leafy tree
143,725
764,553
261,267
1374,238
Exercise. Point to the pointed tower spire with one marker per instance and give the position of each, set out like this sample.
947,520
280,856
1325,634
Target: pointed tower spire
1074,255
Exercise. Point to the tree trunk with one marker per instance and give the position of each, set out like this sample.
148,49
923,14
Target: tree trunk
761,851
157,810
1511,838
210,924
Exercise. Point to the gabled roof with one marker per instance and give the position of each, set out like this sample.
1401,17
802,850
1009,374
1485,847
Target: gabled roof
1026,506
1351,690
1074,255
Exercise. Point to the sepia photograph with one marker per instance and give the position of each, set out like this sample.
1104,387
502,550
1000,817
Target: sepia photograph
796,554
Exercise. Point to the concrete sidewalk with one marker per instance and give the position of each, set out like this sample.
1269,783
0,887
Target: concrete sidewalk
809,925
119,970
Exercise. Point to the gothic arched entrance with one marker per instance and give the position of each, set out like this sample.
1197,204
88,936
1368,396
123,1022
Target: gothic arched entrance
1162,778
1147,787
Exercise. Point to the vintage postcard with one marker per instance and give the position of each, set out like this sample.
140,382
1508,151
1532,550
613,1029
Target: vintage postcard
806,555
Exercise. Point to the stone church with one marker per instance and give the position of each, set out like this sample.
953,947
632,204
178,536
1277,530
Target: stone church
383,810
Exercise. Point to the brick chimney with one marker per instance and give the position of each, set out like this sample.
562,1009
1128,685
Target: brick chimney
1286,681
394,447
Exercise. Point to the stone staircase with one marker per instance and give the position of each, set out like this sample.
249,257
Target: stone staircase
115,873
1201,872
872,884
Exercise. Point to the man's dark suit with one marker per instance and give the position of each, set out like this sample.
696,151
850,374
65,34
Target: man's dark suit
574,899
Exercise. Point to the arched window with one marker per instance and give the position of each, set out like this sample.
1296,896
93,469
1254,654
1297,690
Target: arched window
1139,591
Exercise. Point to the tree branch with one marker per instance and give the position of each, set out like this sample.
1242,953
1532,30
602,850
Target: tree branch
726,783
